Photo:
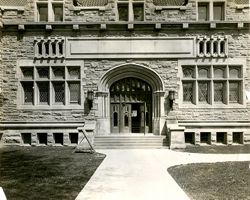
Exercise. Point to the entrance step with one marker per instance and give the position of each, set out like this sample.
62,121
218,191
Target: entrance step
130,142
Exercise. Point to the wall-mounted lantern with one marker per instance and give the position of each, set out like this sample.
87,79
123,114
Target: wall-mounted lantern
90,98
171,97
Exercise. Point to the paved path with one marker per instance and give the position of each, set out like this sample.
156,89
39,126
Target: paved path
138,174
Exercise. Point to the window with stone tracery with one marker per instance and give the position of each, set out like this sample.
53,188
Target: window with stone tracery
50,85
212,84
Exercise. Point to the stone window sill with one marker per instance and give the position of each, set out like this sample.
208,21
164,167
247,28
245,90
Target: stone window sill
77,9
243,6
159,8
16,8
54,107
214,106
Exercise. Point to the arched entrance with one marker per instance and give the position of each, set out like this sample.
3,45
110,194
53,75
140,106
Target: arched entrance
115,115
131,106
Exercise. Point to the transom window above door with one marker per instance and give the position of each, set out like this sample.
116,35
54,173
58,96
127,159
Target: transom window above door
130,10
130,90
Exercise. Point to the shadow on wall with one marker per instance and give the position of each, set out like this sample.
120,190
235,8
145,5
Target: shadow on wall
2,100
86,107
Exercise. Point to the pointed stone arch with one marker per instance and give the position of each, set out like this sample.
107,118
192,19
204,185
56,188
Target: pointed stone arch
134,71
131,70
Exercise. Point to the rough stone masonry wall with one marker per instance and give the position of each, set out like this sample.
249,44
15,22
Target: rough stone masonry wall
110,13
12,50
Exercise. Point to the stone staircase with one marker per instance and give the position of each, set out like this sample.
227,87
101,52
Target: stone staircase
132,141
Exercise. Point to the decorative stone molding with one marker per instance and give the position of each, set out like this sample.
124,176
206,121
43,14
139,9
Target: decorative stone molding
214,46
49,48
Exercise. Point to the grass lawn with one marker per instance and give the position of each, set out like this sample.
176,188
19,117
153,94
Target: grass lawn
45,173
217,181
217,149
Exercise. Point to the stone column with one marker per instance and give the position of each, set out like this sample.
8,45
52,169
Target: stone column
103,113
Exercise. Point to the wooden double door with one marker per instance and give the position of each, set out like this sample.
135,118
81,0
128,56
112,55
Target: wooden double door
131,106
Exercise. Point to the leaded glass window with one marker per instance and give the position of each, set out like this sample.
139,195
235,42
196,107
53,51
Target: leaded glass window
28,92
234,72
234,92
219,90
74,89
203,91
213,85
203,72
188,91
43,92
58,73
27,72
59,92
49,86
74,72
43,72
219,72
188,72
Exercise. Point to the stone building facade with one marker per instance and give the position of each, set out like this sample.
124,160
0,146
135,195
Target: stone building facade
179,69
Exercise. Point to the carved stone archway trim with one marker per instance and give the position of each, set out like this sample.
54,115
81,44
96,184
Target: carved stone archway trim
135,71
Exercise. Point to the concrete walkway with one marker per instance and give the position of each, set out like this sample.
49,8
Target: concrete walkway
137,174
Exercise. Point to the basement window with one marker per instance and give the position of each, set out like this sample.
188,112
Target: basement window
42,138
238,138
189,137
221,137
205,137
26,138
73,137
58,138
